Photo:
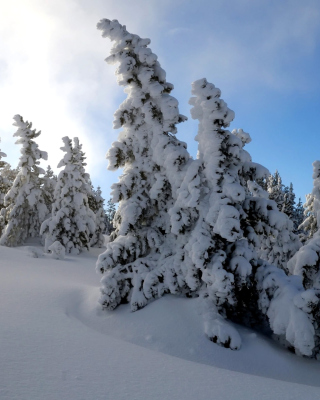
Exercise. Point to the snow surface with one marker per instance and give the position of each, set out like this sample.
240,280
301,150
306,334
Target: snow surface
55,343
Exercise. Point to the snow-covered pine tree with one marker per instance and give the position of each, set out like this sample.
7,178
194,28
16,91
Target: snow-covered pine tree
298,217
263,182
109,216
96,203
3,188
133,269
310,223
49,182
9,174
25,208
288,205
3,180
136,264
276,189
306,262
217,218
207,216
71,222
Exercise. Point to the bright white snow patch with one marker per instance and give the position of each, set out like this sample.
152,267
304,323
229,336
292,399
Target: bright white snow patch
56,343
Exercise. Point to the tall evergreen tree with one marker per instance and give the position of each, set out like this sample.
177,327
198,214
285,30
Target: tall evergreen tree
152,160
96,203
306,262
3,180
310,222
109,216
276,189
230,220
288,205
3,188
25,208
49,182
72,222
209,245
298,217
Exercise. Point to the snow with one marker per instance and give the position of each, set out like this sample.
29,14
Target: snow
56,343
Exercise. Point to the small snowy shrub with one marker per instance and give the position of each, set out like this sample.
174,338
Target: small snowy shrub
57,250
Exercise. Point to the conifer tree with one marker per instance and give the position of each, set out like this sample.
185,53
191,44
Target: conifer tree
152,160
72,222
306,262
275,189
310,222
25,208
9,174
298,217
96,203
288,205
3,180
3,188
49,182
225,220
208,247
109,215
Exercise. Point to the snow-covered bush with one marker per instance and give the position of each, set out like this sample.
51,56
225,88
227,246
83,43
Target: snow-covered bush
57,250
25,207
292,311
141,247
71,222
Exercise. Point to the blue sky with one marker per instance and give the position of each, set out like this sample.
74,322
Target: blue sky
264,56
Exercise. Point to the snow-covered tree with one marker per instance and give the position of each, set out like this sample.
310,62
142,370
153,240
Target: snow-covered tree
298,217
109,215
71,222
3,180
306,262
310,223
3,187
96,203
9,174
293,312
288,205
225,220
152,160
275,189
25,207
49,182
198,227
